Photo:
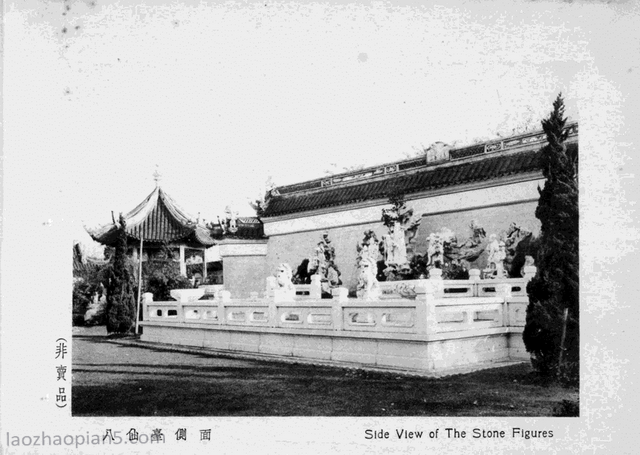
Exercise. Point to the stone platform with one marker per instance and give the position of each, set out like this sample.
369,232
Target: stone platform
443,328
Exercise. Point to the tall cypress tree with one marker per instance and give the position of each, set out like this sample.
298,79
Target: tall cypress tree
121,302
552,329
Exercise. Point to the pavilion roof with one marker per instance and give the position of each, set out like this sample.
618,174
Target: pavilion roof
157,219
84,263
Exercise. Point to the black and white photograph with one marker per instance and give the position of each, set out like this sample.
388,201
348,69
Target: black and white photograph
291,227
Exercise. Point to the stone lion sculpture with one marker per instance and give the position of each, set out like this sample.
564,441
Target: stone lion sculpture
368,287
284,286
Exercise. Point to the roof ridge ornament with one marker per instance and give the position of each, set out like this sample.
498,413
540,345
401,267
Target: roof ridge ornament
157,176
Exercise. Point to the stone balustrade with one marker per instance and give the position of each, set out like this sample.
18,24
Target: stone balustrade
432,326
416,307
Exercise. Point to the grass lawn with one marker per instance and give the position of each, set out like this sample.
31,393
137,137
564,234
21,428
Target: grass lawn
123,380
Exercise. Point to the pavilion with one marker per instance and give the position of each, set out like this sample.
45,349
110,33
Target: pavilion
158,223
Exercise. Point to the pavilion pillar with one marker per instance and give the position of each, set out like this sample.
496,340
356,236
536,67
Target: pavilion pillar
183,265
204,265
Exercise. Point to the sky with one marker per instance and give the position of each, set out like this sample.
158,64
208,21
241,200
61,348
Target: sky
221,97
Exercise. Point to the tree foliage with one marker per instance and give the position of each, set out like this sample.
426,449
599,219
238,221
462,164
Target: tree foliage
551,333
87,287
161,275
121,300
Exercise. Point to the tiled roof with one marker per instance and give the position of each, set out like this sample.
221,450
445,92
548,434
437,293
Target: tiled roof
82,263
157,219
305,197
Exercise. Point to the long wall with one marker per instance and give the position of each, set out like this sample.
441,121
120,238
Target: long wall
494,208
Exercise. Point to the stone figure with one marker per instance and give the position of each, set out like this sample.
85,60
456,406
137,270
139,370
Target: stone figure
332,279
396,245
471,249
368,287
285,290
518,244
435,251
368,247
232,219
302,275
495,262
322,263
439,249
317,261
283,276
502,252
492,250
499,257
528,262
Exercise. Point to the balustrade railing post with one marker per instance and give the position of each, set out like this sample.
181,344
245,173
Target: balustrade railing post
503,290
337,310
435,277
316,287
271,285
426,307
529,271
340,294
421,306
147,298
474,275
180,306
223,297
273,310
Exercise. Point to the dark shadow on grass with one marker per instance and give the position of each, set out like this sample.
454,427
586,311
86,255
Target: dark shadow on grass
196,386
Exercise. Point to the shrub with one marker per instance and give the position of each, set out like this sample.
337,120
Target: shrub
81,300
551,333
88,285
161,275
121,300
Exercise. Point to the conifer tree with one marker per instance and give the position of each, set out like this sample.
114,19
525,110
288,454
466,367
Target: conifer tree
121,302
552,329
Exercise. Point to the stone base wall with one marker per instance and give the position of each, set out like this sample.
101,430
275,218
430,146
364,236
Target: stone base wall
434,355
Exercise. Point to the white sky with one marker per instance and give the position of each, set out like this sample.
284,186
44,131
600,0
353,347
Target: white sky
221,97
